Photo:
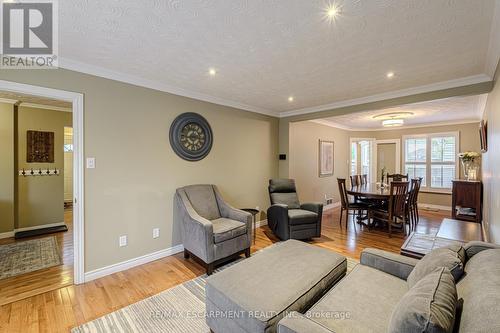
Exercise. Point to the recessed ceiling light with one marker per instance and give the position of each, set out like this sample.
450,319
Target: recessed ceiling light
290,99
212,71
392,122
390,75
332,11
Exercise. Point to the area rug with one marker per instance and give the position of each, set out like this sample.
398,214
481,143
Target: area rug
28,256
180,309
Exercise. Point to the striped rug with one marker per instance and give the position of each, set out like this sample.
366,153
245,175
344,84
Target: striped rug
180,309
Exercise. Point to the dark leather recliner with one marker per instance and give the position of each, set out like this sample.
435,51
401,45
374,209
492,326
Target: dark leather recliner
286,217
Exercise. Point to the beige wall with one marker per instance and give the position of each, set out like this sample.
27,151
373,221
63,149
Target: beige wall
6,167
304,137
491,166
41,199
131,190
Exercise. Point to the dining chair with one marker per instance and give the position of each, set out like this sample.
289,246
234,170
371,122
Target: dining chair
397,177
355,181
395,214
364,179
355,207
412,204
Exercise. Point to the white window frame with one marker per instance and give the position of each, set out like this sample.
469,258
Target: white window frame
428,163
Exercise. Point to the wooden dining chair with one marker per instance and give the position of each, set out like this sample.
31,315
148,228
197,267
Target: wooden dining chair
363,179
346,205
412,203
355,180
397,177
395,214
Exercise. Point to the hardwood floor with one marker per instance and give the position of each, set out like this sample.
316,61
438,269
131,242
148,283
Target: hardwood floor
61,309
37,282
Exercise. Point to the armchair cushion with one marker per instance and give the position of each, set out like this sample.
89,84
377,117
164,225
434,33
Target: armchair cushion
289,199
300,216
452,257
225,229
202,198
429,306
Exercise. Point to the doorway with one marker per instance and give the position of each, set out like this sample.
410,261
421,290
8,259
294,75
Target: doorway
388,157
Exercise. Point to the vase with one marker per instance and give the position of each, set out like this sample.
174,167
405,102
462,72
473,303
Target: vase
470,169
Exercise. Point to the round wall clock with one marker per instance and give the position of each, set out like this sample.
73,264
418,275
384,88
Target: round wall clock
191,136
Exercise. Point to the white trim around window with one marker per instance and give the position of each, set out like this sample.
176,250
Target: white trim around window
428,159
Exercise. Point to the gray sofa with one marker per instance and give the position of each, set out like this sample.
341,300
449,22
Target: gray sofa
369,297
212,230
287,218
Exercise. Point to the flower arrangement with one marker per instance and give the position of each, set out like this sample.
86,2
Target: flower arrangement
468,156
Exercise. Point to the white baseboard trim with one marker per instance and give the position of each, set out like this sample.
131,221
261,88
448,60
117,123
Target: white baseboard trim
260,223
434,207
40,226
121,266
7,234
331,206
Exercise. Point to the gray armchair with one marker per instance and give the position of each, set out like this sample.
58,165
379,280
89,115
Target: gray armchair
212,230
286,217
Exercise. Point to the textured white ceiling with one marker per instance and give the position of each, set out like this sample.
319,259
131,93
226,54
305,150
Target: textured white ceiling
266,50
449,110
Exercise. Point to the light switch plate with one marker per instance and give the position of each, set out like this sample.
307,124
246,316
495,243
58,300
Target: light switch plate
122,241
156,232
90,162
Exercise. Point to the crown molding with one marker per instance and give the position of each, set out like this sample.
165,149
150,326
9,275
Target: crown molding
46,107
8,100
361,129
465,81
155,85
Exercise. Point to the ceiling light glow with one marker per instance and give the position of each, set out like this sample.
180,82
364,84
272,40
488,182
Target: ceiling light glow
332,12
393,122
290,99
212,71
390,75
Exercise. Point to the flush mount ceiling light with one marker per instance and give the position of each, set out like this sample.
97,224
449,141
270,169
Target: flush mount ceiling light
393,122
290,99
212,71
392,115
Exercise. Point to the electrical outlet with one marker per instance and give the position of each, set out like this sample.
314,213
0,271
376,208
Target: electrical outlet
156,232
90,162
122,241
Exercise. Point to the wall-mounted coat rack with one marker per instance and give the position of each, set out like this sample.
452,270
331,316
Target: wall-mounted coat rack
39,172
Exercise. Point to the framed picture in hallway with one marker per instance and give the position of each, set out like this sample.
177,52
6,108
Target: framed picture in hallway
326,151
40,147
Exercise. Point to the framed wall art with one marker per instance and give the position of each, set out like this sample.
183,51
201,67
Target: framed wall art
326,153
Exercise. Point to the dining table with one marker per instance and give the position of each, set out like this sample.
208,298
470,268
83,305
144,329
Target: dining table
370,191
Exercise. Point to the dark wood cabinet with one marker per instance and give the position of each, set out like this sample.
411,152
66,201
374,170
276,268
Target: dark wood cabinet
467,200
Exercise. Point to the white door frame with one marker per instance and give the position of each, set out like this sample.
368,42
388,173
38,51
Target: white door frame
78,163
398,153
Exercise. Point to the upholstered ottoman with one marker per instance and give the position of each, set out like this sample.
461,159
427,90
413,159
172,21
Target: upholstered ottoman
253,295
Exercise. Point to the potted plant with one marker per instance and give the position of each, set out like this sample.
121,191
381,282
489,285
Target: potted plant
469,165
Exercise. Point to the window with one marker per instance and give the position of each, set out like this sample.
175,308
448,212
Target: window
432,157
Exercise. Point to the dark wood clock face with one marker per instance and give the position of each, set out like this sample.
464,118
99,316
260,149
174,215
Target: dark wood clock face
191,136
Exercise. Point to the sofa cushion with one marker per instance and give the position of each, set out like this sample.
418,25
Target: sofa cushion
361,302
451,257
289,199
202,198
429,306
225,229
301,216
480,290
259,290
